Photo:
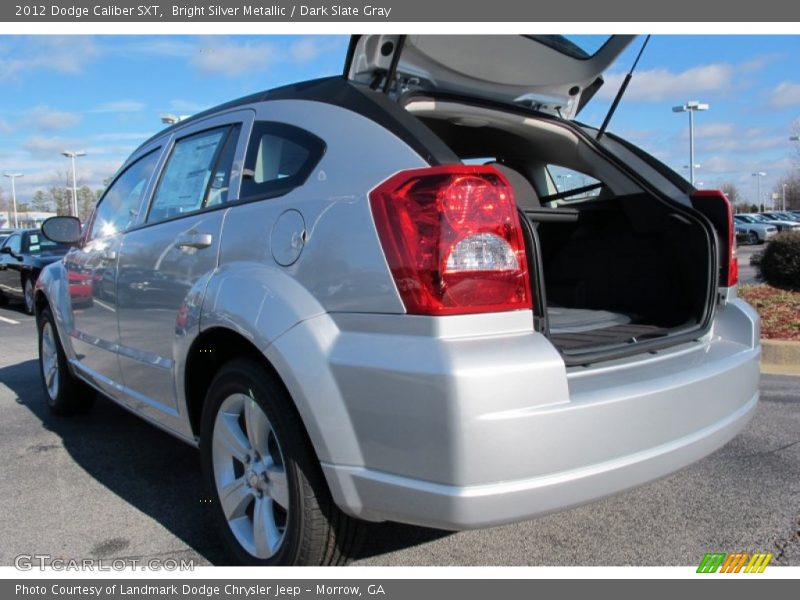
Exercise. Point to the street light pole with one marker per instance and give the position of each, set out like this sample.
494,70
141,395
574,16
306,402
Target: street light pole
691,107
72,154
783,202
758,175
12,177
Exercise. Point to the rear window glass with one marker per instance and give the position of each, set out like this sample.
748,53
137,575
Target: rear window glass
279,157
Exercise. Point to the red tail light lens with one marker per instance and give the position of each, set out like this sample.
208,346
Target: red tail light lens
453,241
715,205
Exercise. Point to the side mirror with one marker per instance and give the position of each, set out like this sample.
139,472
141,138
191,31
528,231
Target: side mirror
6,250
62,230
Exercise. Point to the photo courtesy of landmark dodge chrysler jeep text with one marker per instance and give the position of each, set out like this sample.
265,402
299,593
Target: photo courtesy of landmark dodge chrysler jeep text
373,297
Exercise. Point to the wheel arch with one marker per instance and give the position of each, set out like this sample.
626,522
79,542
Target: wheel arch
209,352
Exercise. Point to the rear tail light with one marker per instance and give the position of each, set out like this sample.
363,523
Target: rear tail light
715,205
453,241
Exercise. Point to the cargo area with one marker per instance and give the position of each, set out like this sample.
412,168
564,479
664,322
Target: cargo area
613,265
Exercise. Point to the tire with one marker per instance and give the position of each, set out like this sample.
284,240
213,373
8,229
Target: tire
254,446
27,295
752,238
65,393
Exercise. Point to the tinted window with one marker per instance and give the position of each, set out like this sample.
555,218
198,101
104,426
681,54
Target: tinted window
117,210
197,174
279,158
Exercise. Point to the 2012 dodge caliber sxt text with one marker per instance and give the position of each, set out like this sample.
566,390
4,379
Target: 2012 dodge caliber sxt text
420,292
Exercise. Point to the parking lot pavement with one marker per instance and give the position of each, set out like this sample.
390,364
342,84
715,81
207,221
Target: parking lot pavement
109,485
747,272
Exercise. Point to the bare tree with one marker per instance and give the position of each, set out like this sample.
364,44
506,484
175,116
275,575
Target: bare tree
60,196
792,190
732,192
40,201
795,133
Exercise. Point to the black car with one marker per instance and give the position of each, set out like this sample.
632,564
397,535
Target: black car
4,233
23,254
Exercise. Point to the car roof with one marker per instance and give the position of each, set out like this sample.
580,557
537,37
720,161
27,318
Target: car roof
307,90
338,91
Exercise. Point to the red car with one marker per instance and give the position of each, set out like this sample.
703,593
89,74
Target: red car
80,288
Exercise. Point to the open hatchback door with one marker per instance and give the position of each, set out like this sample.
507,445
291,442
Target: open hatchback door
622,258
550,73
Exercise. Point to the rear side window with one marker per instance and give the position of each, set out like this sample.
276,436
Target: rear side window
568,185
38,244
119,206
197,174
279,158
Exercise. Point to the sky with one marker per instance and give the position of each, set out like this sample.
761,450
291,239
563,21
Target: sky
105,94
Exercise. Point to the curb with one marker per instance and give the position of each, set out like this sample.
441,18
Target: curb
780,357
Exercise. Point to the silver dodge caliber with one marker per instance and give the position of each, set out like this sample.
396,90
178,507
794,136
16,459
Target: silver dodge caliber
419,292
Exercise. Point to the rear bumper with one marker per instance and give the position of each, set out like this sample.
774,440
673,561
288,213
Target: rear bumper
456,430
381,496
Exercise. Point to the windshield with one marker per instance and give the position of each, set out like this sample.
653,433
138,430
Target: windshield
760,219
744,218
576,46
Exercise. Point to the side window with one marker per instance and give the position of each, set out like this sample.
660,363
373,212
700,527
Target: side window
32,243
118,207
15,243
197,174
36,243
571,185
279,157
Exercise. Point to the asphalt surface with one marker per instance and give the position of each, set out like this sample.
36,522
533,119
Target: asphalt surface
747,272
109,485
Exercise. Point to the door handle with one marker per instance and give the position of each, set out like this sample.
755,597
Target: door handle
197,241
108,256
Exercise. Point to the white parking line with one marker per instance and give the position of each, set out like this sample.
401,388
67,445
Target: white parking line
11,321
104,305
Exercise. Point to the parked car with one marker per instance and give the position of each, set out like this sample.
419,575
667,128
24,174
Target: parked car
743,236
780,225
354,322
4,233
782,216
758,232
80,288
23,254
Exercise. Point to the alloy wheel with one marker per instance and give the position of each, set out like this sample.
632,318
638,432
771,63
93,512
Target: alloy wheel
250,475
50,361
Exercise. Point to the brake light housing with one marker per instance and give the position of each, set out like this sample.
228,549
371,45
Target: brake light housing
453,241
715,205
